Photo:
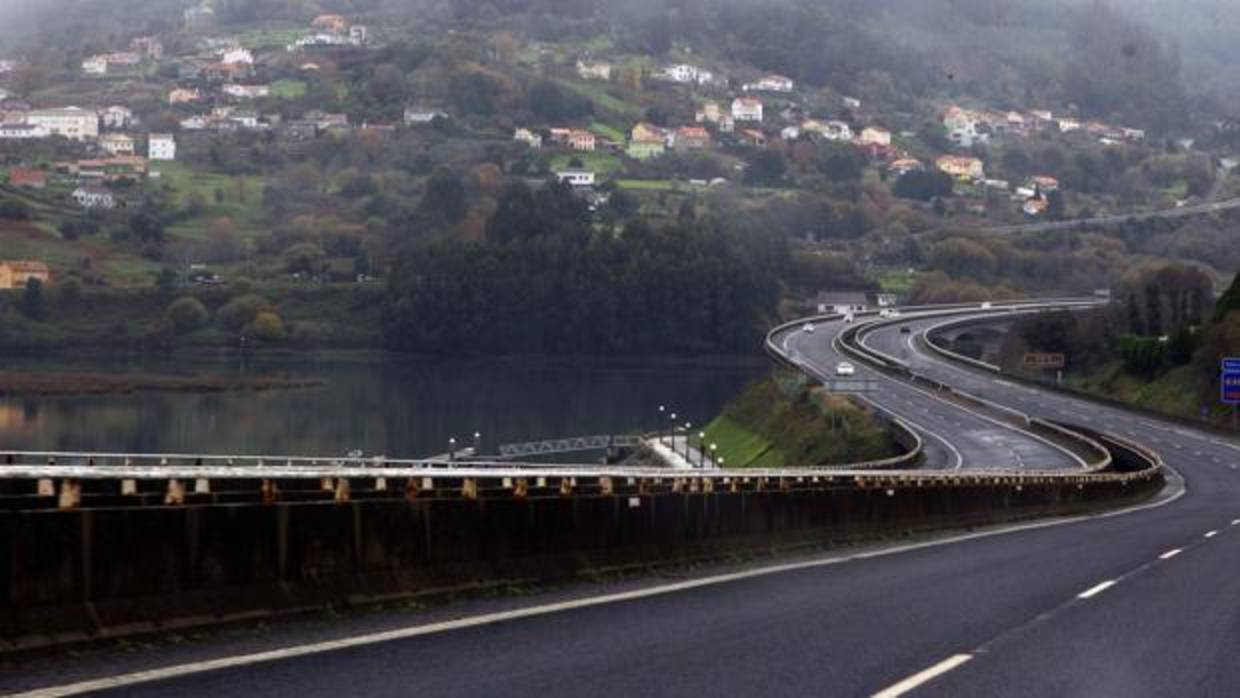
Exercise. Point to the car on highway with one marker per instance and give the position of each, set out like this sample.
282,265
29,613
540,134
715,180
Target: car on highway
987,306
844,368
808,328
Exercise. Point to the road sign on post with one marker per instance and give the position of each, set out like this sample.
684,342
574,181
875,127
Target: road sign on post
1231,365
1036,360
1229,384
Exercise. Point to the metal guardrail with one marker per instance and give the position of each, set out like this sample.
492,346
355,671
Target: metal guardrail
573,444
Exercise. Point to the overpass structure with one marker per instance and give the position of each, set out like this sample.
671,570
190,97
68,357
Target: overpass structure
1136,598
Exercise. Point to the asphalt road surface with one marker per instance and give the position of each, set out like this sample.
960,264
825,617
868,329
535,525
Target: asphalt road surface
1140,603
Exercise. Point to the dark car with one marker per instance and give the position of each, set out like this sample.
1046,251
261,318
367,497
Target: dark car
905,329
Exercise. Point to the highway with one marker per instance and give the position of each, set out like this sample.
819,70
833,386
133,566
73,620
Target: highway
1142,602
1118,219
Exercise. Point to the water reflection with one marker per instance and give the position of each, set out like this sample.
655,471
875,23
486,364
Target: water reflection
398,408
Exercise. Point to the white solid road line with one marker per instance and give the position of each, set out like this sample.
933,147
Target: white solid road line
176,671
923,677
1170,554
1211,534
1095,590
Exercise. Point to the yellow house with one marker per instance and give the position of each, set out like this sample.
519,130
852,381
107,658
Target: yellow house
15,274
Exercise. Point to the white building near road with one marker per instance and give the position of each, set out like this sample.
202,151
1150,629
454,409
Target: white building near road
71,122
747,109
161,146
576,178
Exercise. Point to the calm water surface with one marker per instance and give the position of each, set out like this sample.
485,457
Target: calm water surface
393,407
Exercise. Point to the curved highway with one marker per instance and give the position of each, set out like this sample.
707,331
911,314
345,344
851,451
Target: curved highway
1140,602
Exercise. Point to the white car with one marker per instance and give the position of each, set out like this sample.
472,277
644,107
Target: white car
844,368
987,306
808,328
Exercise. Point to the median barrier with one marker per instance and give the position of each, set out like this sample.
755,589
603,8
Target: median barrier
104,571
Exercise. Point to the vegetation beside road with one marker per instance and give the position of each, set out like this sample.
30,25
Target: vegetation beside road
780,422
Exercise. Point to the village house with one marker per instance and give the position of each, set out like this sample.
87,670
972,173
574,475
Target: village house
116,117
691,138
73,123
22,131
16,274
117,143
903,166
196,122
95,65
687,74
126,58
836,131
873,135
528,137
709,113
336,24
851,103
961,167
790,133
576,178
246,91
147,46
161,146
27,178
747,109
1134,135
753,137
1042,118
594,71
418,116
184,96
327,121
1035,207
94,197
1068,125
646,141
770,83
358,34
583,140
234,56
1042,184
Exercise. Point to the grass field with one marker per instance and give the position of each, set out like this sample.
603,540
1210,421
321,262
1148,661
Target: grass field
240,198
606,131
288,89
740,447
599,96
599,163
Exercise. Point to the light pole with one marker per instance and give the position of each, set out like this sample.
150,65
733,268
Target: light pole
714,448
477,444
451,449
688,426
701,449
671,432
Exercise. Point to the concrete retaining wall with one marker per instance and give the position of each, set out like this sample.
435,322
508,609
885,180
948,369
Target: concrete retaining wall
70,575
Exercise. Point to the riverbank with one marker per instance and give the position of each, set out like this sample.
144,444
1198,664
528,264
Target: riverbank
47,384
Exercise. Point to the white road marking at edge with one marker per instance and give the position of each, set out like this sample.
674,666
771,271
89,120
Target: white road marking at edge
1235,522
172,672
1170,554
1211,534
923,677
1095,590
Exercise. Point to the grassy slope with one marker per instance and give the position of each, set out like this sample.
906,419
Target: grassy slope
1175,392
767,426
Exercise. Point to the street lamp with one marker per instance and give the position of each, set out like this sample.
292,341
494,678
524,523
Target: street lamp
671,433
688,426
701,449
714,448
658,425
477,444
451,449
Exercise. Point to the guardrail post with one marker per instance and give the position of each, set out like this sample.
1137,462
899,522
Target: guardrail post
566,487
343,490
268,492
202,486
175,495
521,489
70,495
469,488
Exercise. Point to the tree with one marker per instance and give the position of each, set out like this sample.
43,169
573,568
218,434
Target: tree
1055,205
269,327
766,168
14,210
187,314
923,186
166,281
32,304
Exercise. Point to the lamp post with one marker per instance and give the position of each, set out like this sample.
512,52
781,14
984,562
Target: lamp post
701,449
714,448
477,443
451,449
688,426
658,425
671,432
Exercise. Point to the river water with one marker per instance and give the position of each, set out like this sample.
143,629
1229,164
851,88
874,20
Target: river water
399,408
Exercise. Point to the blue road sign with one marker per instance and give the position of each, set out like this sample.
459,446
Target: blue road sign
1231,365
1230,383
